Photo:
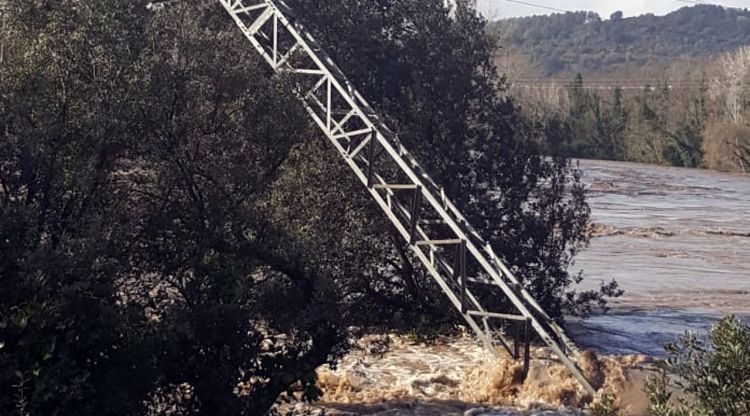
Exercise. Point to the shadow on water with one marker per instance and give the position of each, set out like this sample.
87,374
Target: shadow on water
429,407
639,331
405,407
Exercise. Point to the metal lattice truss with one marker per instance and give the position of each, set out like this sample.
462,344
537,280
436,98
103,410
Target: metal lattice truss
430,224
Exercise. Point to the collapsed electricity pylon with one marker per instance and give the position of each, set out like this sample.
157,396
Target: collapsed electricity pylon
442,239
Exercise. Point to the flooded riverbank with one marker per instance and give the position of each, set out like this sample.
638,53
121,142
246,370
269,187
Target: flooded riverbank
678,242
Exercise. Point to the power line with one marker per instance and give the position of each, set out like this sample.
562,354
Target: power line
692,1
557,9
540,6
628,85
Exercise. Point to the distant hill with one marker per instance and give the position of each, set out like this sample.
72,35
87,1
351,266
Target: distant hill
563,44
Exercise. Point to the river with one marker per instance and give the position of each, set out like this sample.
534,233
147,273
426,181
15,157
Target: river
678,242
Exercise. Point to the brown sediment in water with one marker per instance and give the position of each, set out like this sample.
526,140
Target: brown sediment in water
548,382
459,370
605,230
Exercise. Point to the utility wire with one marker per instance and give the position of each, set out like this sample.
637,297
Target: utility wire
626,85
540,6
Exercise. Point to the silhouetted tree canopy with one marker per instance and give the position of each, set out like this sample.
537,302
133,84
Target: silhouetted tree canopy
174,233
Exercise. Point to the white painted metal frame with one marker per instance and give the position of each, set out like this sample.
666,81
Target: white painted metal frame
365,143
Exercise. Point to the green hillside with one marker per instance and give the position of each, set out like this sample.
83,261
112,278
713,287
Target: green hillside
584,42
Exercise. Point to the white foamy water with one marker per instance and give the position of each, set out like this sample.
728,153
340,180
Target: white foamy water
677,240
456,376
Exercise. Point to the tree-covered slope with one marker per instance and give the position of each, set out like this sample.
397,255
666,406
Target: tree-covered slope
583,42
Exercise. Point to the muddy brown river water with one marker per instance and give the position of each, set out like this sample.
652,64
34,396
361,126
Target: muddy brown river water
678,242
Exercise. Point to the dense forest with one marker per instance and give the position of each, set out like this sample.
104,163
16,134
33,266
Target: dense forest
671,90
696,117
583,42
177,238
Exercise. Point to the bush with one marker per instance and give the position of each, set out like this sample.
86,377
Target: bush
605,406
727,147
713,374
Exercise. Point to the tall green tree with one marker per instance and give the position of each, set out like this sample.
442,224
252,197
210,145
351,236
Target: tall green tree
137,252
66,346
174,234
239,300
447,109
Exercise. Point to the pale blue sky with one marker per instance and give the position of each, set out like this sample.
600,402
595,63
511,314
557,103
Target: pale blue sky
503,8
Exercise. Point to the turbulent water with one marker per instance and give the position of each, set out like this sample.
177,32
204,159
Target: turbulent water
455,377
678,242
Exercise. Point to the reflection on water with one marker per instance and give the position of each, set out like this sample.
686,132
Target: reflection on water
678,242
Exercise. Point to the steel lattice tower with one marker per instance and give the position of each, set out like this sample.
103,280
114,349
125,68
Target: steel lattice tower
438,234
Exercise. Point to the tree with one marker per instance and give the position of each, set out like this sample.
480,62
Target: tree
240,300
173,237
66,345
448,110
137,255
616,15
618,124
727,147
580,118
594,129
3,33
648,130
730,86
713,373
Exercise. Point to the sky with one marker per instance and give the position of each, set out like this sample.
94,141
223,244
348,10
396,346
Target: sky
498,9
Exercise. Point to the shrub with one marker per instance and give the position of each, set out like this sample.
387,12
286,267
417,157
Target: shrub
713,374
727,147
606,405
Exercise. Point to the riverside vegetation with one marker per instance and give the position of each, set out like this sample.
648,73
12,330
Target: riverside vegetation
175,237
671,90
712,372
701,123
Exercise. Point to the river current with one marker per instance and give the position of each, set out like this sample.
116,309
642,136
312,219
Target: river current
677,241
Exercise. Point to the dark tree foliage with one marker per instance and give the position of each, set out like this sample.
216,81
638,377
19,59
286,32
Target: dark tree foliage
574,42
174,235
712,373
216,133
137,257
431,73
64,347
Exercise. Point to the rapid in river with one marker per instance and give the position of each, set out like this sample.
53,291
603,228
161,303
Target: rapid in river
677,241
